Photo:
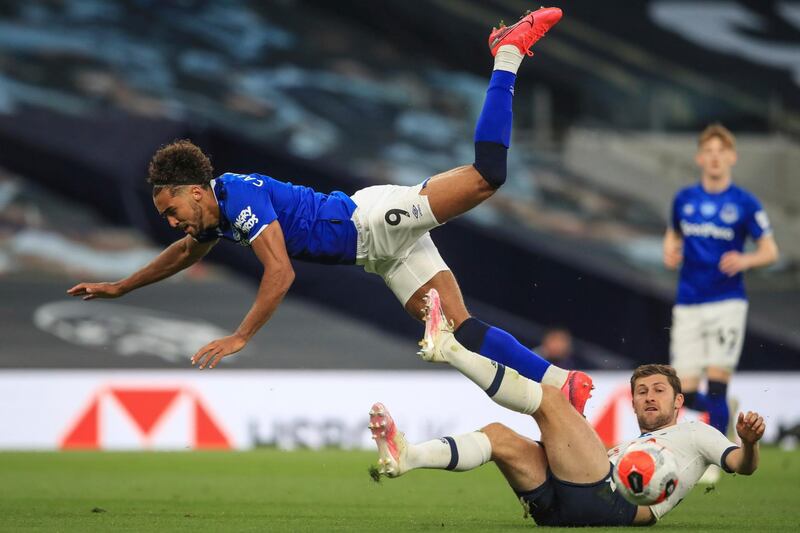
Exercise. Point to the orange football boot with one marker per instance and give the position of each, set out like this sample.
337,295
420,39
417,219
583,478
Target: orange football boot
578,389
530,28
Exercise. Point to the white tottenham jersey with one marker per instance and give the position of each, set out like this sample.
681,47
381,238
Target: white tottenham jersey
695,445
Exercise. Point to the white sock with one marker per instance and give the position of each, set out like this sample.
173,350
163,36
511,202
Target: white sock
555,376
460,453
502,384
508,58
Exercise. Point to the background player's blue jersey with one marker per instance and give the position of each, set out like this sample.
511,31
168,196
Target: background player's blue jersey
711,225
316,226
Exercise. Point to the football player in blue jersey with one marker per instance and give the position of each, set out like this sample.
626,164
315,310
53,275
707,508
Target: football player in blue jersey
384,229
710,223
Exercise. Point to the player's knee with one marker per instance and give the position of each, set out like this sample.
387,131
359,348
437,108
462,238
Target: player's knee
501,439
491,163
495,428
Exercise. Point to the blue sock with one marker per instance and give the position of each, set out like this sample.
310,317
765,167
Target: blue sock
493,130
494,122
502,347
718,412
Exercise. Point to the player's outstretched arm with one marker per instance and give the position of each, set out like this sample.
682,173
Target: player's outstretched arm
173,259
673,249
750,428
270,248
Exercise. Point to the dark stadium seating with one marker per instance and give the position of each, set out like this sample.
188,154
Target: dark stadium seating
393,95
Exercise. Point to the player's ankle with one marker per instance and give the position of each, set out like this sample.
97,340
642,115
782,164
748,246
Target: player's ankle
508,58
555,376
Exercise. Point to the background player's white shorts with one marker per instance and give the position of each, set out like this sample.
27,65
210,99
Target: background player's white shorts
393,240
704,335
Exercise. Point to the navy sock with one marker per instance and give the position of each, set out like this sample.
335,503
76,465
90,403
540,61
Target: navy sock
696,401
493,129
491,162
718,412
502,347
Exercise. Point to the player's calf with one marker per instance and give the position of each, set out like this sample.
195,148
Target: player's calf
505,386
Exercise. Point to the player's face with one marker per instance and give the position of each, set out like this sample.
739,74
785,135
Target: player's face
655,403
715,158
182,211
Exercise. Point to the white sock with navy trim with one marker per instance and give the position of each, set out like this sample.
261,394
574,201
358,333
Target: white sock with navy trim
505,386
459,453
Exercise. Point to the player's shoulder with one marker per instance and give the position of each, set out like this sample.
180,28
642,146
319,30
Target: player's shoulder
688,191
689,425
692,425
233,178
742,194
244,183
699,429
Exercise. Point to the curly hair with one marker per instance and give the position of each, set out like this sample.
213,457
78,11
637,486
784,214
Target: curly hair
654,369
179,163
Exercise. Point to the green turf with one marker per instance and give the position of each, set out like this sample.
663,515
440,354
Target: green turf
325,491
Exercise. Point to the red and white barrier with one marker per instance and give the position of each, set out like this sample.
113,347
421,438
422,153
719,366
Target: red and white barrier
241,409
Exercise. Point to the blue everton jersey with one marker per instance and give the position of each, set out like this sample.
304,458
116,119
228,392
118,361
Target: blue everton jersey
711,225
316,226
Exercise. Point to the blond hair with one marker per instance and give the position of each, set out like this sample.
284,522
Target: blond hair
720,132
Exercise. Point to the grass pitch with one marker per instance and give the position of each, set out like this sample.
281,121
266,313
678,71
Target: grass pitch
269,490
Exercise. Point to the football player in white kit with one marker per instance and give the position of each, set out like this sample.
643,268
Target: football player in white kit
564,479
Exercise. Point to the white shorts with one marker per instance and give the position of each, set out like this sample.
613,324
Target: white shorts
705,335
393,240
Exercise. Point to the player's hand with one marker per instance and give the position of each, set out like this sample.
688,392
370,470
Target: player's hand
750,427
673,257
212,353
733,262
90,291
673,251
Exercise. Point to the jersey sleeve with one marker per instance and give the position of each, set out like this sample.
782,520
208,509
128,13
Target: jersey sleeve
712,445
756,220
248,206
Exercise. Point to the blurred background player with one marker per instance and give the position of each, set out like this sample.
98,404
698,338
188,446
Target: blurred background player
710,223
383,228
565,479
557,347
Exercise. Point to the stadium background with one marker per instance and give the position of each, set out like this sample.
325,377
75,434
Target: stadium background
340,96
